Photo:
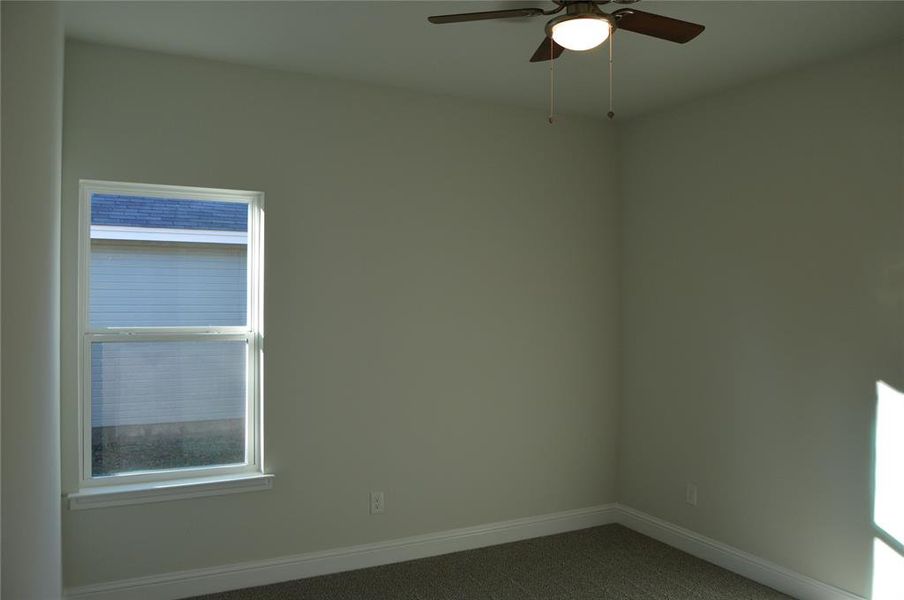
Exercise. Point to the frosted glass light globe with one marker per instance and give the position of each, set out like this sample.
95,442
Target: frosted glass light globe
580,33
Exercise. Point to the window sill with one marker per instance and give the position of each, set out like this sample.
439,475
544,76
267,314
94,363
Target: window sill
159,491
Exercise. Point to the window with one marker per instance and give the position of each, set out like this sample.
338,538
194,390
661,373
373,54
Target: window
170,321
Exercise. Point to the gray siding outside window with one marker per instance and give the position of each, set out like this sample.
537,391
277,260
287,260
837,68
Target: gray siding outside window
142,284
146,383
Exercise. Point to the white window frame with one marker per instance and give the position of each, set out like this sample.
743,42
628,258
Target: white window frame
252,333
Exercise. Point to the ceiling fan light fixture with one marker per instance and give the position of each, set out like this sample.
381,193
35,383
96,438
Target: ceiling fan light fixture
580,33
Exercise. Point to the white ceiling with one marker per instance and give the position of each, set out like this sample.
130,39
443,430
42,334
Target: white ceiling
391,43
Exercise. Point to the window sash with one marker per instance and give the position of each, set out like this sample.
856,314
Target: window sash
252,411
251,333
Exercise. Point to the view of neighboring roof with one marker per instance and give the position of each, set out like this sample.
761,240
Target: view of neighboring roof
157,213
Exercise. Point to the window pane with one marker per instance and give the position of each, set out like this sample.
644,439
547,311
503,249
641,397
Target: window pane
141,284
158,263
167,405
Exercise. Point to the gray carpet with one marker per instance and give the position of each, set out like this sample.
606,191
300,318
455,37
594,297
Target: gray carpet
603,563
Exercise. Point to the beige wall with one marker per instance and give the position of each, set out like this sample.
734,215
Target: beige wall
32,96
761,285
441,304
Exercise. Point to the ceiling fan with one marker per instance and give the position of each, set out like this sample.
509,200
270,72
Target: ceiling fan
584,25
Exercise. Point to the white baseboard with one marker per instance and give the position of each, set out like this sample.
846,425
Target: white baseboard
183,584
750,566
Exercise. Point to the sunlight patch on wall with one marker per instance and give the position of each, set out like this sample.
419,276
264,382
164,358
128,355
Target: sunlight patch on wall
888,572
889,498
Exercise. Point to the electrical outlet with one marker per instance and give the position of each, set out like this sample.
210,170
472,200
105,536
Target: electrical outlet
690,494
377,503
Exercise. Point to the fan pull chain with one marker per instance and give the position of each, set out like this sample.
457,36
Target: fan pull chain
611,113
552,105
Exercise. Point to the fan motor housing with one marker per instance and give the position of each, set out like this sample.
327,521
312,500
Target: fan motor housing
579,10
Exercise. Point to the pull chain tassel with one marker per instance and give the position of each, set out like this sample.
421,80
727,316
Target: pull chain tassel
552,63
611,113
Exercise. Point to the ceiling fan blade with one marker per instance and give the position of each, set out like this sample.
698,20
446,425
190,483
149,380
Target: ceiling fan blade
482,16
664,28
544,52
